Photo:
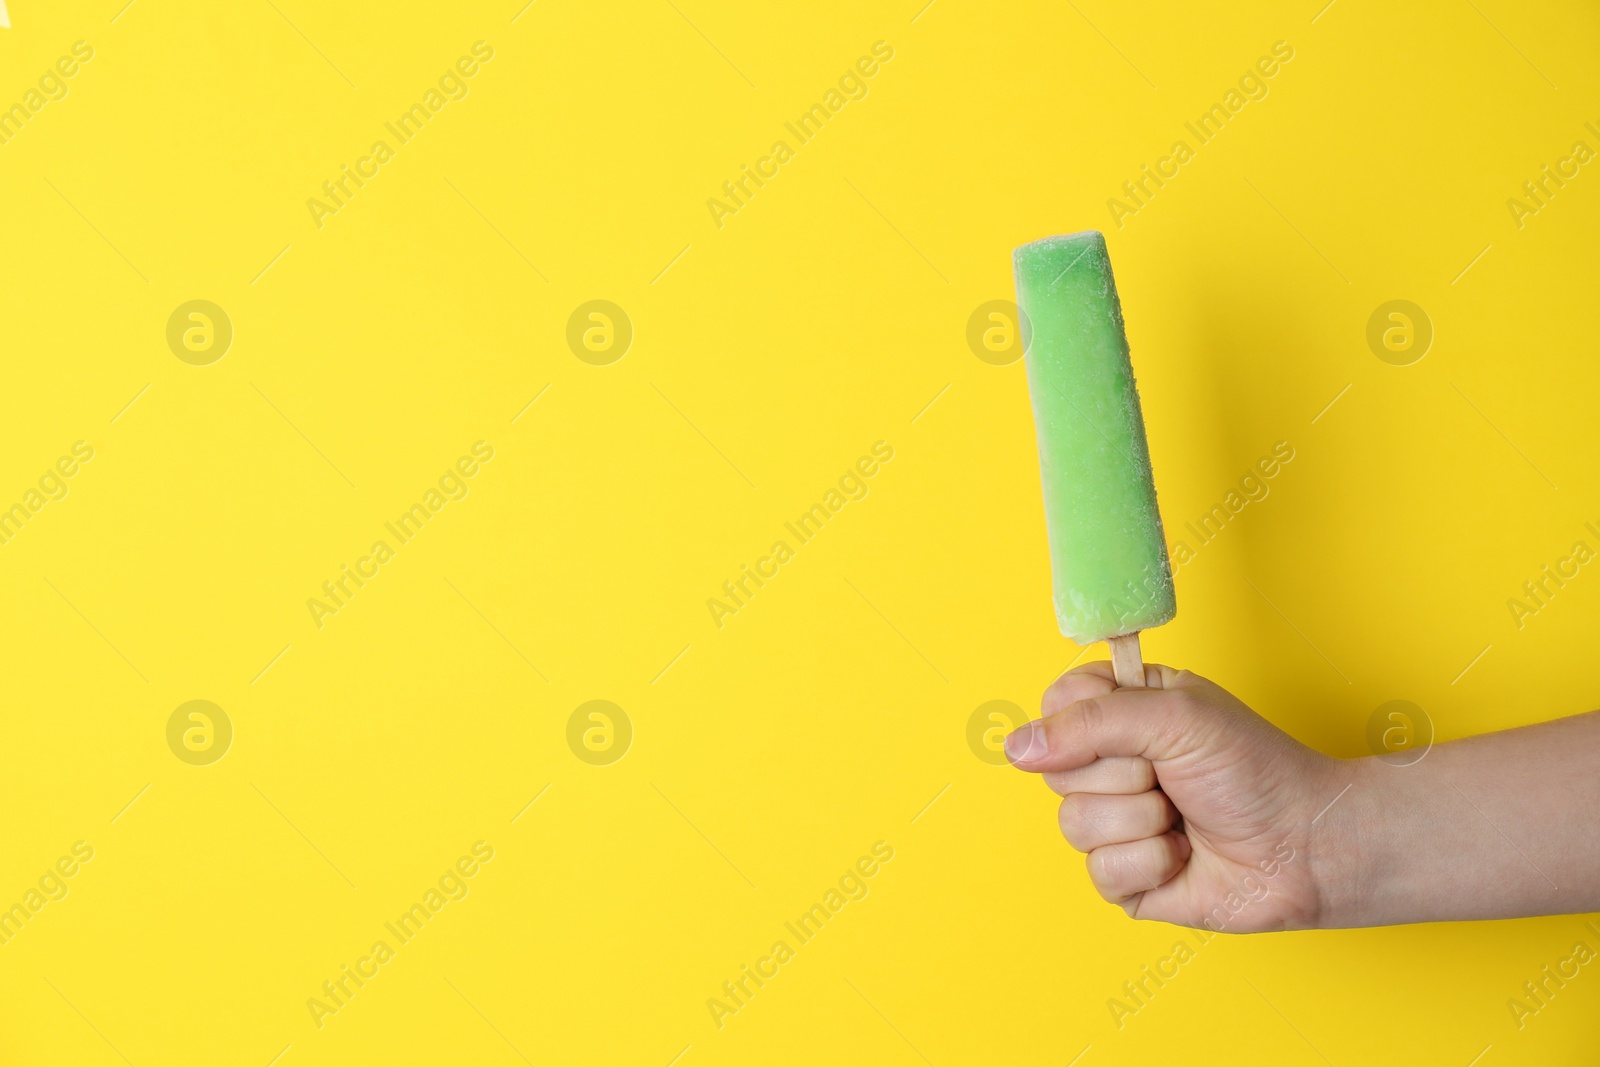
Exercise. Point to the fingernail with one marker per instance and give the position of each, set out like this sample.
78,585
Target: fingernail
1026,742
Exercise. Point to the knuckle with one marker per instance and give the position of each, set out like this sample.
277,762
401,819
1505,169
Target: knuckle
1087,715
1074,825
1105,868
1096,865
1142,776
1155,813
1182,701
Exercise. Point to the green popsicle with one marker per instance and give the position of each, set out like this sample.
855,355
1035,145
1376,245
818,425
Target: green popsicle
1107,552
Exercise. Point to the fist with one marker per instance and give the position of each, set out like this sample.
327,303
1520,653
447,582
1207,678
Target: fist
1190,808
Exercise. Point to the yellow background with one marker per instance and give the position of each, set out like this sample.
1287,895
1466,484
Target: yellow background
824,316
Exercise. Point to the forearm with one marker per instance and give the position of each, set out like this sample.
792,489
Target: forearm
1491,827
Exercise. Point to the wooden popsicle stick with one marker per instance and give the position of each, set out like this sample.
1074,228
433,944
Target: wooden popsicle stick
1126,664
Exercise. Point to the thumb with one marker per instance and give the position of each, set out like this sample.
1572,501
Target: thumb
1157,724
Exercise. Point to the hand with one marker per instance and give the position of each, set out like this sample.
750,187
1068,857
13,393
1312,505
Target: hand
1192,808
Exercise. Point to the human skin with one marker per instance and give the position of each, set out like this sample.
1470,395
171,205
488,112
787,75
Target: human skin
1490,827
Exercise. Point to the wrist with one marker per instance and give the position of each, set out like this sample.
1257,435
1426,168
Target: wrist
1342,852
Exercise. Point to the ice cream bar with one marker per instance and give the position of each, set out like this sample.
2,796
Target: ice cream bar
1107,552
